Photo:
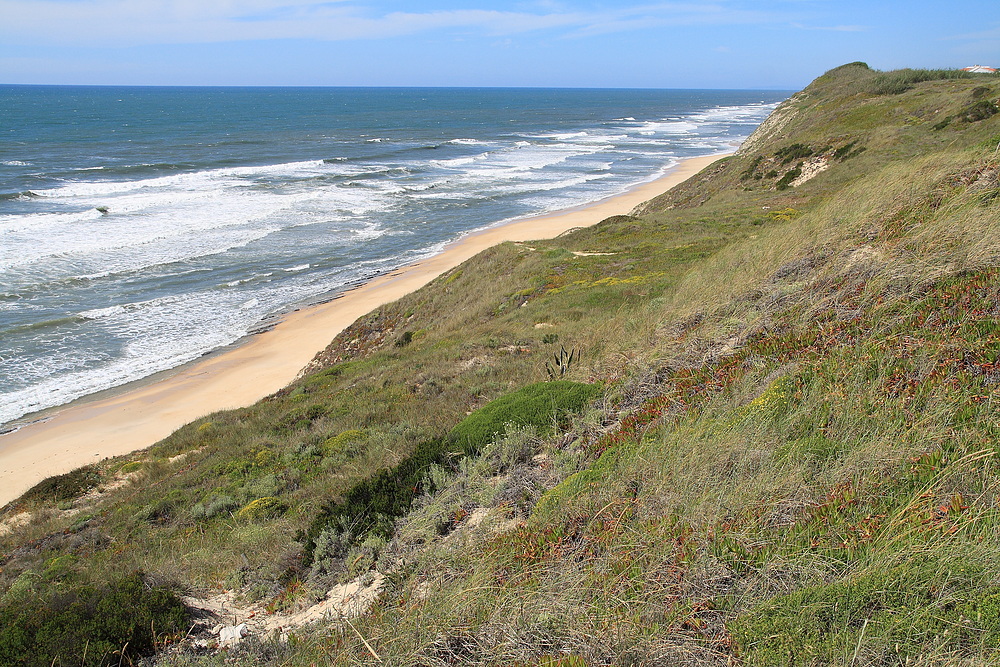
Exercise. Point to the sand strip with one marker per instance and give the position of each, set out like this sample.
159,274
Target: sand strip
92,429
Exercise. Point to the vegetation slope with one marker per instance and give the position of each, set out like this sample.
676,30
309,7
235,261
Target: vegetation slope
751,424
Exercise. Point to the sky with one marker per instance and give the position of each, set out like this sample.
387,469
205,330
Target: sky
767,44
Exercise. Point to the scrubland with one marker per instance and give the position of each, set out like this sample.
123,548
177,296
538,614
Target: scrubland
752,423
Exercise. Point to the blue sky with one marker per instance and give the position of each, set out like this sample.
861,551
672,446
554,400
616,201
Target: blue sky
779,44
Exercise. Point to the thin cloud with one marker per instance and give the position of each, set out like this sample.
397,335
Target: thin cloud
832,28
988,34
130,22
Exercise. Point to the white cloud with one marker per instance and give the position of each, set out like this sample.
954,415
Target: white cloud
131,22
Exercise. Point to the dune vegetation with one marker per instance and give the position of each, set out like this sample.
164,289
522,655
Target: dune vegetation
752,423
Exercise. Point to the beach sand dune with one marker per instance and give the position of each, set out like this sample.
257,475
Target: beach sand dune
142,414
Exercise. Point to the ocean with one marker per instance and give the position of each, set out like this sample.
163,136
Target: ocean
141,228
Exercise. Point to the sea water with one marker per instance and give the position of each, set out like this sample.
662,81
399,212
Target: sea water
143,227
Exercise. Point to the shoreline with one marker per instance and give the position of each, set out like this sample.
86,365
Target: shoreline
138,414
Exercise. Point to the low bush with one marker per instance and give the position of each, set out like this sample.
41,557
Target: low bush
978,111
64,487
786,181
372,505
262,509
113,623
539,405
900,81
793,152
370,508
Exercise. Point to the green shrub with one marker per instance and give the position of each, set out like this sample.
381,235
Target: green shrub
112,623
793,152
165,509
70,486
901,80
371,506
298,419
847,151
748,173
786,180
214,506
538,405
131,466
978,111
342,442
262,509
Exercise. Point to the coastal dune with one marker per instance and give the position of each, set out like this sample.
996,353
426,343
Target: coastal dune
138,416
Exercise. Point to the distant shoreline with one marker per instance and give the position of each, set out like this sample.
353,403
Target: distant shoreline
139,414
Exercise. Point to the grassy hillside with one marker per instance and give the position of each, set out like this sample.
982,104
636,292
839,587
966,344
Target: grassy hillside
775,442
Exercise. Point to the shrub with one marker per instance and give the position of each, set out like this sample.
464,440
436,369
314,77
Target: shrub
748,173
342,442
793,152
131,466
111,623
786,181
262,508
216,505
973,113
978,111
901,80
538,405
404,339
847,151
301,418
163,510
371,506
65,487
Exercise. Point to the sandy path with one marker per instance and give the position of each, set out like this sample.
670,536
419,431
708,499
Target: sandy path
139,416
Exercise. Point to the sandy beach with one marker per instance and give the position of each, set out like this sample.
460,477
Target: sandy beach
137,417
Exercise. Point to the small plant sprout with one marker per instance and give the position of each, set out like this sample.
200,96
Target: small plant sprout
563,361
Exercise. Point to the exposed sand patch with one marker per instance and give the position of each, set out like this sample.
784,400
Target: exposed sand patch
811,168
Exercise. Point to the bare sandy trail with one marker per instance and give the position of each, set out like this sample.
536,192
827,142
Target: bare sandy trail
144,413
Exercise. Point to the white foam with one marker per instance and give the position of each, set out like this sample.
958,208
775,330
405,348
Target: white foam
561,136
15,163
147,228
197,181
668,126
99,313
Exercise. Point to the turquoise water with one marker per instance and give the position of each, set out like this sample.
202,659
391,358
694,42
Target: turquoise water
143,227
